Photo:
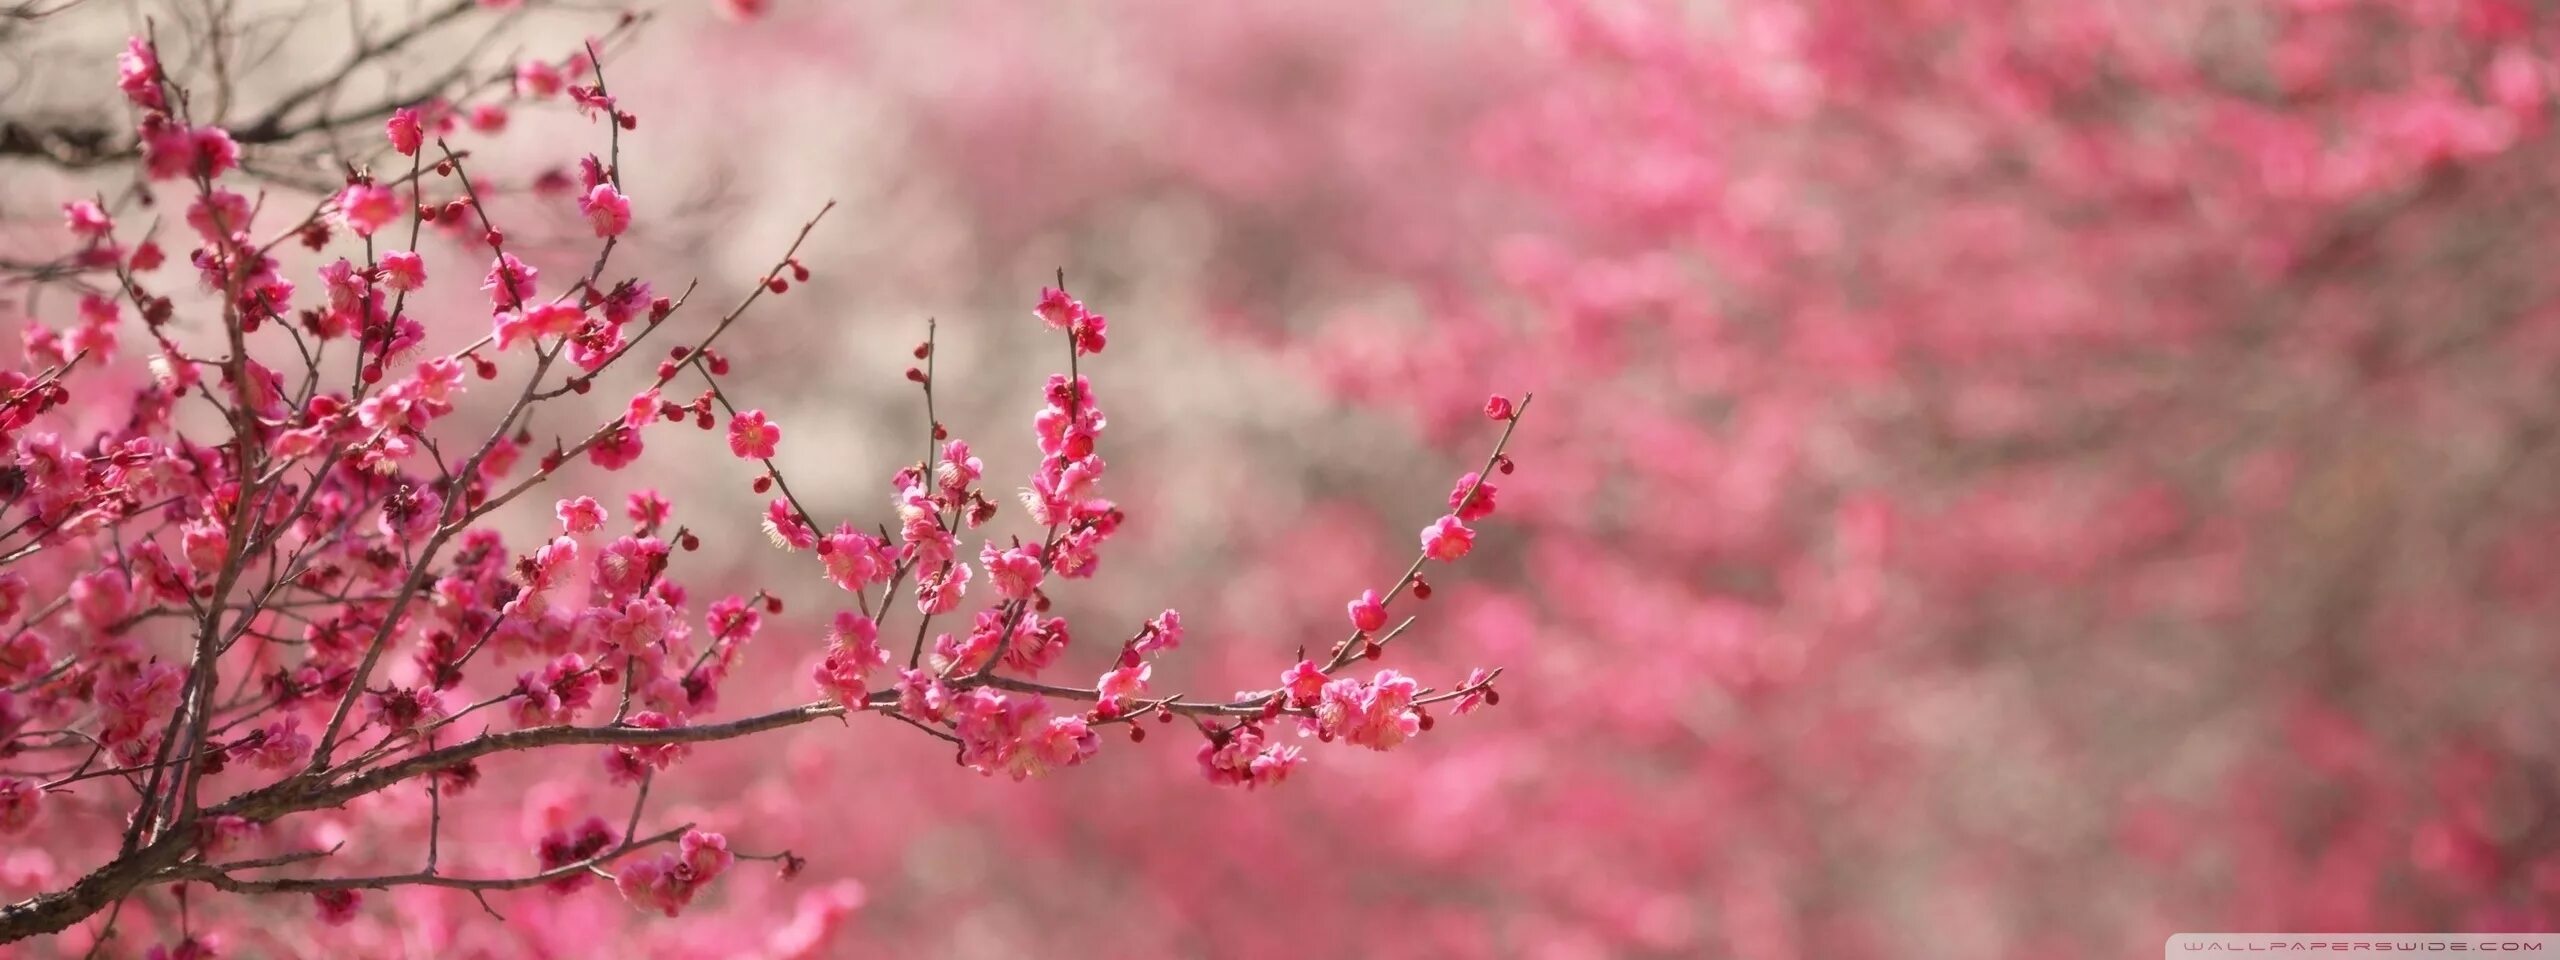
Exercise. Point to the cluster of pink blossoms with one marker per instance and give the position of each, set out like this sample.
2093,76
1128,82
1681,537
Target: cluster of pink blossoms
669,882
359,519
1015,732
982,685
351,616
1390,708
567,846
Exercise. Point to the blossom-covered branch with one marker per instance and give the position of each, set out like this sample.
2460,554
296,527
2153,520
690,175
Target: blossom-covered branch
275,584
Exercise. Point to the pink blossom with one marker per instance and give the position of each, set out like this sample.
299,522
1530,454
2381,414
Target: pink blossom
1446,540
705,855
538,321
853,651
626,301
620,448
669,882
404,130
1378,715
561,847
752,436
366,207
626,566
922,695
647,509
592,103
138,74
215,153
549,564
13,595
643,409
537,79
1037,641
958,469
1369,613
23,654
579,514
218,214
1128,682
1090,333
921,526
404,270
204,544
1471,500
1303,682
940,591
338,907
594,345
1478,693
222,834
638,625
1063,741
97,310
171,151
1246,758
1160,634
1084,328
510,282
87,220
732,617
346,286
606,209
1057,309
20,802
964,654
279,745
1015,734
556,693
1014,572
102,598
629,764
853,559
784,526
96,334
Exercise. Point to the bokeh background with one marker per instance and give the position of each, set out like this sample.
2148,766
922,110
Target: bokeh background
2007,478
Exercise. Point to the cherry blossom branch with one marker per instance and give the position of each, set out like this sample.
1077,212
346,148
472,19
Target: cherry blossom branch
1349,648
221,879
334,507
